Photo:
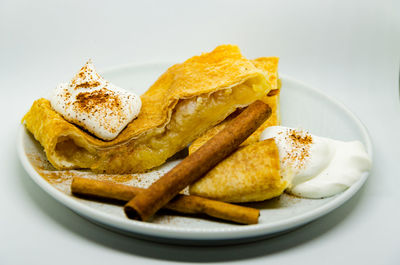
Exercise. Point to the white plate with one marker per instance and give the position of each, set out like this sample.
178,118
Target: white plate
301,106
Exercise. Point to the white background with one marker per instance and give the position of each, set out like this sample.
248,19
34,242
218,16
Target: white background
348,49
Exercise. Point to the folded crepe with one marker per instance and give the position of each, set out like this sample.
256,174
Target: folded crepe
250,174
269,67
188,99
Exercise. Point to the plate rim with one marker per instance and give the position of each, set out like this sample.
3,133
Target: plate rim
220,233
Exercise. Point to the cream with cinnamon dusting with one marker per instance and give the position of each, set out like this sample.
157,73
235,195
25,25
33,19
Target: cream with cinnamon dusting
95,104
317,167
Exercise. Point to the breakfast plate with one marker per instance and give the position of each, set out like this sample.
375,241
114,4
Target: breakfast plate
301,107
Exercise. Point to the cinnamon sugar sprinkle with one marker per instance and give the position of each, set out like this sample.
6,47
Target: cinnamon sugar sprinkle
90,101
298,152
88,85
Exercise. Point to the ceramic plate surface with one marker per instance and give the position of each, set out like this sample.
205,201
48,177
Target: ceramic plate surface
301,106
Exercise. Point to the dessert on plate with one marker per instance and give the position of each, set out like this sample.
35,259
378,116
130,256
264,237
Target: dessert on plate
223,106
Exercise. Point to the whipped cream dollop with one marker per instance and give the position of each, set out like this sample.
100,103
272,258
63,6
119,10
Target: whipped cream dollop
317,167
95,104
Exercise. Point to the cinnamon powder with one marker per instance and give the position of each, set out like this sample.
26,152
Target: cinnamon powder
300,143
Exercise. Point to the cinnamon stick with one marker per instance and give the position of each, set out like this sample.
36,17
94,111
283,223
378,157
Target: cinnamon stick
149,201
181,203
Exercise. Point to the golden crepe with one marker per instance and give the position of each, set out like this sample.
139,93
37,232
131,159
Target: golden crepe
250,174
269,66
188,99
